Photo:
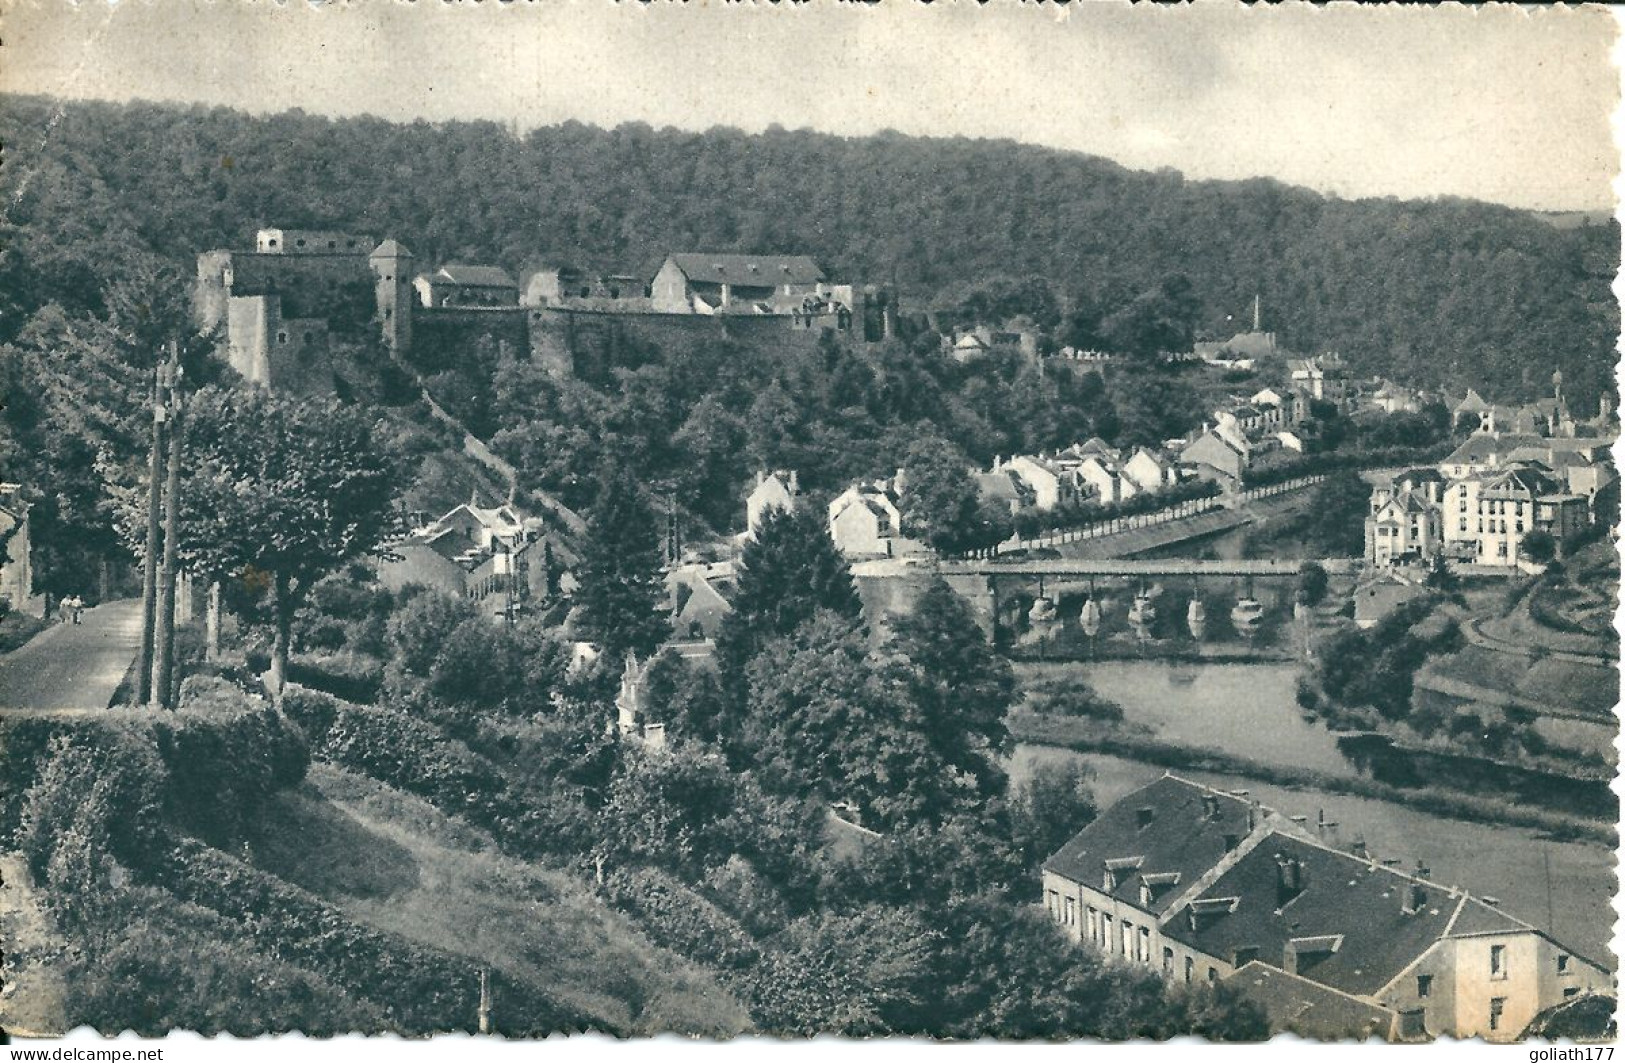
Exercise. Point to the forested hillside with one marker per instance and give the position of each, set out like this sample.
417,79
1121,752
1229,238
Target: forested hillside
1431,292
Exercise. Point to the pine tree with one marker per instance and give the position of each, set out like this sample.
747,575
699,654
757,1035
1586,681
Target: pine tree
790,571
622,592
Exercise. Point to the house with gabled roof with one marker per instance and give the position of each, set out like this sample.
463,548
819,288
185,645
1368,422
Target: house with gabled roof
1212,455
480,551
713,283
455,285
1213,887
778,489
1406,520
1149,471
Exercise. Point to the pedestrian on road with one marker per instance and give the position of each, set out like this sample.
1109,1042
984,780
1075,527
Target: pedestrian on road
77,605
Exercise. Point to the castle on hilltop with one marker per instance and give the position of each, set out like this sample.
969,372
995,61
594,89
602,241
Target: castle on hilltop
281,308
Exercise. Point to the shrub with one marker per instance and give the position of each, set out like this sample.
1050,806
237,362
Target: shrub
166,965
96,800
427,990
349,675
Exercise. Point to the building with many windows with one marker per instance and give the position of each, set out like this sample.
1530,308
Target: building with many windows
1207,886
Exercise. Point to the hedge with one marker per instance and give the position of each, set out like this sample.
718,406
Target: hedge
424,990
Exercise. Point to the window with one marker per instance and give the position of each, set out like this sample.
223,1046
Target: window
1128,939
1498,961
1071,912
1052,901
1562,963
1092,924
1424,985
1144,955
282,337
1190,969
1413,1024
1571,991
1212,974
1497,1007
1106,932
1167,960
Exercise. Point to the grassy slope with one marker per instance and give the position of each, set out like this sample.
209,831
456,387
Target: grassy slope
393,862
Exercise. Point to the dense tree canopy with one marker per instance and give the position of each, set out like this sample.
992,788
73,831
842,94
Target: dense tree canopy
288,490
1439,291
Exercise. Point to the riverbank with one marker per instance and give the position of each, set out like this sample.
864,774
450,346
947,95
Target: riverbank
1088,736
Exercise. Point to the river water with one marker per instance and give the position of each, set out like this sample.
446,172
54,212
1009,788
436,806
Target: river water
1246,710
1249,710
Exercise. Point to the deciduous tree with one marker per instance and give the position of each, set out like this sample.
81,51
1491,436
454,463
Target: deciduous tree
293,489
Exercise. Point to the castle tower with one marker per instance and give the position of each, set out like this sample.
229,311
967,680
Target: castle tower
392,266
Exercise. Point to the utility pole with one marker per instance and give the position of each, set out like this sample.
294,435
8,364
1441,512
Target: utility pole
149,571
163,674
485,1000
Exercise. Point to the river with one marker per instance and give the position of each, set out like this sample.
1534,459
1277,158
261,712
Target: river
1249,710
1246,710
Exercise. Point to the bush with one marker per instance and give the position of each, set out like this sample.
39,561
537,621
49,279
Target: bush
349,675
95,801
427,990
165,965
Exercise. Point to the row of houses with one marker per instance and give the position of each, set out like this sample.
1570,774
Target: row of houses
1483,499
1547,418
1205,886
1093,471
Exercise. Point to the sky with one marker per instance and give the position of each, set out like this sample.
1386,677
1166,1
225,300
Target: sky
1504,104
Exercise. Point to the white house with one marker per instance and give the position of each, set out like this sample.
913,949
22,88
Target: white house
1050,485
1100,478
1149,471
773,490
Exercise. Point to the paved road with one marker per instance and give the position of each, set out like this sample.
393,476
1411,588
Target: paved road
71,666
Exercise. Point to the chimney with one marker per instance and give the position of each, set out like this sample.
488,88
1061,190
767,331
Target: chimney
1416,898
1422,870
1358,848
761,477
795,485
1289,878
1493,902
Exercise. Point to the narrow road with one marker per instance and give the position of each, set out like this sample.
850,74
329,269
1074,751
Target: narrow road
73,666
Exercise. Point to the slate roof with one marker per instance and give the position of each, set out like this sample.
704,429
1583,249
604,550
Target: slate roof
748,271
1296,1005
1520,480
1185,836
475,276
1477,449
1362,904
